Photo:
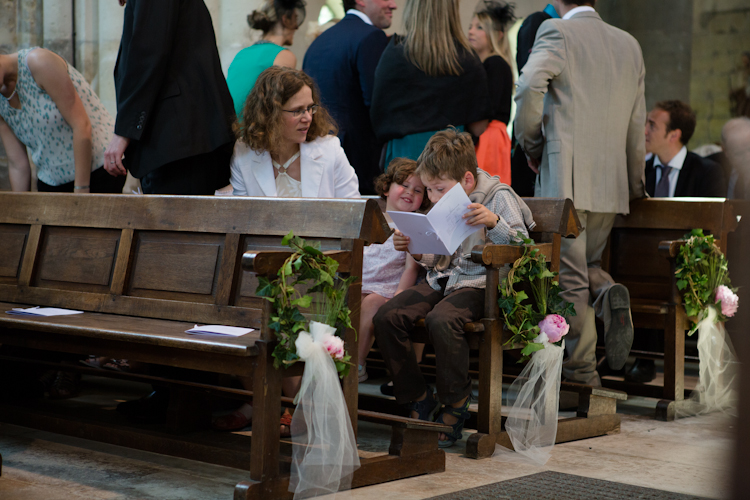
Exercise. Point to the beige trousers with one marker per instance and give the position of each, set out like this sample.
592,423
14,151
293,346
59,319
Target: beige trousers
586,285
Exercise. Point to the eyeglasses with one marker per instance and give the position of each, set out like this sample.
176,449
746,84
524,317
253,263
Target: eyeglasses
312,109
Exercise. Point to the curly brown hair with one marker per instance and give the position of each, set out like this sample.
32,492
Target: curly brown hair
261,126
399,169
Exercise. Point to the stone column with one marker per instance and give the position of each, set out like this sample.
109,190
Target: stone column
110,31
664,30
29,23
58,28
87,40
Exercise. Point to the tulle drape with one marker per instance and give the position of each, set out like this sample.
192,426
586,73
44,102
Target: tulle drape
324,452
532,421
719,370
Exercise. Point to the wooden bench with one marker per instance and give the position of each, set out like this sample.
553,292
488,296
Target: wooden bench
146,268
641,255
596,409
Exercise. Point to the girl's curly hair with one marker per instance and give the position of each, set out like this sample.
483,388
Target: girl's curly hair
399,169
262,121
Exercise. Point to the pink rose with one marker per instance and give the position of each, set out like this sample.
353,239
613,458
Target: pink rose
554,326
335,346
729,301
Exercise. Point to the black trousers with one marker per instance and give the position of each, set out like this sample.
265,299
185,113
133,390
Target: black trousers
101,182
197,175
445,317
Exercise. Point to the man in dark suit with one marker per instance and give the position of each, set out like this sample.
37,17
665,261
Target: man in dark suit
669,127
672,172
522,178
342,62
174,110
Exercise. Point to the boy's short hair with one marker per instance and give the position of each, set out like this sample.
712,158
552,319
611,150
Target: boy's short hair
449,154
399,169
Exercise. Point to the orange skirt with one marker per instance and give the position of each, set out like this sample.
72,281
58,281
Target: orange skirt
493,151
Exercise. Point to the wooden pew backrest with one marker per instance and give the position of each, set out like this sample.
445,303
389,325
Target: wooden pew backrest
162,257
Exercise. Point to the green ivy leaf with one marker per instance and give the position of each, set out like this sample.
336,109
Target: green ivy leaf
531,348
303,301
286,239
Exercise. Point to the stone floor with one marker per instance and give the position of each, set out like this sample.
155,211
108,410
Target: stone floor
687,456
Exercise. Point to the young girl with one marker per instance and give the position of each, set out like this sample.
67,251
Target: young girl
386,271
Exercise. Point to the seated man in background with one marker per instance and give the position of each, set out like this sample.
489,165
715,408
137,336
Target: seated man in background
673,171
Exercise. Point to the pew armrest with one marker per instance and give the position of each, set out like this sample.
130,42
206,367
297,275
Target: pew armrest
500,255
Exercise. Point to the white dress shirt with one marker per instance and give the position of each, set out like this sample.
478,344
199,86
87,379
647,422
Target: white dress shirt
360,14
573,12
676,164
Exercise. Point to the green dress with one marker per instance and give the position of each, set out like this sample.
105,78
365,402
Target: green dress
246,67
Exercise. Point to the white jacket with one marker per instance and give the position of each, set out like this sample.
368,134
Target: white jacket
324,170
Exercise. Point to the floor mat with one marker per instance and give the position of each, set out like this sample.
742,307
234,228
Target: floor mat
558,486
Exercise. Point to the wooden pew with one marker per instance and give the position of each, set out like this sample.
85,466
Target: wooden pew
596,411
146,268
641,255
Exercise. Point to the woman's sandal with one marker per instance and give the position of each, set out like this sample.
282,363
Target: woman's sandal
234,421
65,385
286,425
427,408
462,414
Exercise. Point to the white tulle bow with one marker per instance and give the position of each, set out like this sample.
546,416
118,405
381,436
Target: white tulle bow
324,451
532,421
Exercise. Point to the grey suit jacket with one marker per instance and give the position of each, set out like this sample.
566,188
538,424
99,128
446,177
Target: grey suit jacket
581,109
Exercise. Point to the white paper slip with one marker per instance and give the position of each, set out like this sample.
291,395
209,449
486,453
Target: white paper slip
42,311
443,229
231,331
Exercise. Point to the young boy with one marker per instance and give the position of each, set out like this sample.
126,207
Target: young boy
453,293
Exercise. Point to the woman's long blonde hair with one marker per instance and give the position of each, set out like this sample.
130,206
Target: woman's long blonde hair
495,18
433,28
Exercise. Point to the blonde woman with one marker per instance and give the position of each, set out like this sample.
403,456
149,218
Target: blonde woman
426,80
487,35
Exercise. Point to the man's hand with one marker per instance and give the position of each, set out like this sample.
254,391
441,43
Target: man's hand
122,2
113,155
533,163
480,215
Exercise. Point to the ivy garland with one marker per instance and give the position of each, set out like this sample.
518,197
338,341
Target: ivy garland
306,266
701,269
522,316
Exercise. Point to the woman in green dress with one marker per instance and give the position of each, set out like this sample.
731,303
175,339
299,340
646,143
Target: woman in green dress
278,20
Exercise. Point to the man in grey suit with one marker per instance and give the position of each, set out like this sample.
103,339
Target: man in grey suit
580,119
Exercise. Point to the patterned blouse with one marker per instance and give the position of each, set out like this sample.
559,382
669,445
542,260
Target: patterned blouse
42,129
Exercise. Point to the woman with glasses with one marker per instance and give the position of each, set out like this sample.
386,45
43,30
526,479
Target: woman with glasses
278,20
285,147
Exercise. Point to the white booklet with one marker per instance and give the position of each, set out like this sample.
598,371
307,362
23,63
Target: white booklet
443,229
231,331
42,311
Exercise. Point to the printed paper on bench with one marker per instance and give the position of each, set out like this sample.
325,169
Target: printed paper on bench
231,331
443,229
42,311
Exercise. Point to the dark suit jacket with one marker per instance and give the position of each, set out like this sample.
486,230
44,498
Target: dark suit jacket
342,61
172,98
698,178
527,35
